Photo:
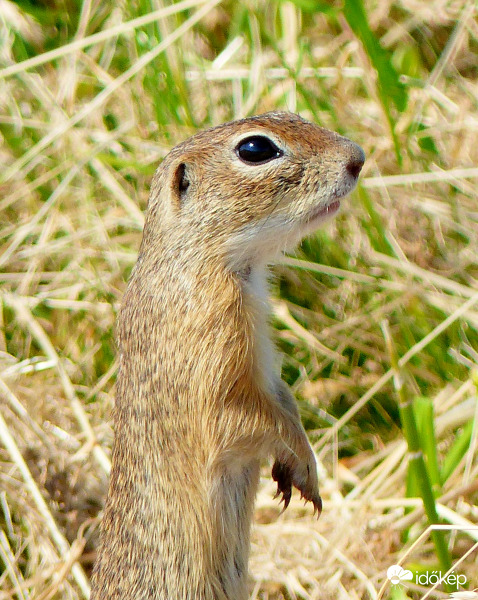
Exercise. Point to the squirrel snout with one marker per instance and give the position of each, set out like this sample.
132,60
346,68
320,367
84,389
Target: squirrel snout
355,160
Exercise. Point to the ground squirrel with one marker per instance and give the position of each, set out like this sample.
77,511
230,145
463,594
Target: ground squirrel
199,400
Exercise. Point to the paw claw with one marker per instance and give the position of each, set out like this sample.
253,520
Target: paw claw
283,474
317,506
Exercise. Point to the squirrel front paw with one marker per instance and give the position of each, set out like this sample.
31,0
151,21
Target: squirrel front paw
302,475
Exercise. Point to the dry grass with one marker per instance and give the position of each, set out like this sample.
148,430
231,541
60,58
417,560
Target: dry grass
82,131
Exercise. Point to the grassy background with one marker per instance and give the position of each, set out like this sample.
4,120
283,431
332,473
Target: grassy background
377,314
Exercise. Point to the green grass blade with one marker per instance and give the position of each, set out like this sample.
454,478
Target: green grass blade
375,229
312,6
416,460
425,418
457,452
390,90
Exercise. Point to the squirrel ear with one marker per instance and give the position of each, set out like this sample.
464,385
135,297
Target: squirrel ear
180,183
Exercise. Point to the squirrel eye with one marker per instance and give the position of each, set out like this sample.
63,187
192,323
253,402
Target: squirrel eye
257,149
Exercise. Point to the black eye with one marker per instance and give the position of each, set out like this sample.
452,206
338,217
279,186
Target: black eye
257,149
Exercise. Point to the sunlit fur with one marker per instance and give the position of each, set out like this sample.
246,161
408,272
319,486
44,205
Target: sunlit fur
199,400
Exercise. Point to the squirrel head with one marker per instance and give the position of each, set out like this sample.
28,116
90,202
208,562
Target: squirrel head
247,190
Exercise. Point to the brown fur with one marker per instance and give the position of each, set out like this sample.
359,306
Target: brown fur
199,403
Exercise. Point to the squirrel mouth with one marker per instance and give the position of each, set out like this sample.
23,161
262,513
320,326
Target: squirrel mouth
324,211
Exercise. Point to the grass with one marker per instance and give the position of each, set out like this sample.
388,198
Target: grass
376,314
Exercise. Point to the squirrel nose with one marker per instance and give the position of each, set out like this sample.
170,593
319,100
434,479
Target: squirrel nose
356,160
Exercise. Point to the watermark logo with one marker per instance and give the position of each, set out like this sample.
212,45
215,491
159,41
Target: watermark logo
431,580
396,574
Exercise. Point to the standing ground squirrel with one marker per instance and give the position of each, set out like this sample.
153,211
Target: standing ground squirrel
199,400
